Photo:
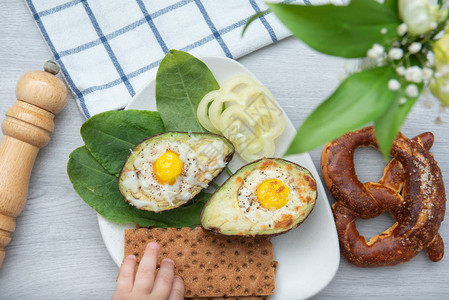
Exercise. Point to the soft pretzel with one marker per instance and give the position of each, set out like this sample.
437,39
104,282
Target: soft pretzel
411,190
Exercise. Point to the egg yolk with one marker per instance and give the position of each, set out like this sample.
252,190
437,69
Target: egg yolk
272,193
168,167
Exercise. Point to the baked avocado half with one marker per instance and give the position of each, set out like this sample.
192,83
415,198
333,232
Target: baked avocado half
268,196
167,170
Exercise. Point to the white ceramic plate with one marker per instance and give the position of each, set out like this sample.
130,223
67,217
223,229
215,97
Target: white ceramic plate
308,256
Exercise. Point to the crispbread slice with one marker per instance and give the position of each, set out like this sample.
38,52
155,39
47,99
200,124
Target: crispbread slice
211,265
232,298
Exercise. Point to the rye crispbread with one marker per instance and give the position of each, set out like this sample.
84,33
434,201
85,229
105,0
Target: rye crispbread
232,298
211,265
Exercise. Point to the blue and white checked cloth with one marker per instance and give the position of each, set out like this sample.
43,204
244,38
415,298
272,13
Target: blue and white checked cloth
109,49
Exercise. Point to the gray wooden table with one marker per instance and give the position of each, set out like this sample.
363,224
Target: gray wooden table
57,251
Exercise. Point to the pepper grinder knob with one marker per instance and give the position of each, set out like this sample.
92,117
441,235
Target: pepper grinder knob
27,128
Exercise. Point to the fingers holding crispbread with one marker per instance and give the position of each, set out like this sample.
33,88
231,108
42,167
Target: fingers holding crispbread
211,265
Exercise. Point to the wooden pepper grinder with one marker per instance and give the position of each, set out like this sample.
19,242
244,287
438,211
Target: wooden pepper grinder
26,129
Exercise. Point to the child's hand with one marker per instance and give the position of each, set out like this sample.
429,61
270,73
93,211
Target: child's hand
145,286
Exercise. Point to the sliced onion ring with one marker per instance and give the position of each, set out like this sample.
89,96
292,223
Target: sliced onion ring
246,113
202,111
268,151
252,93
230,85
256,145
216,108
273,125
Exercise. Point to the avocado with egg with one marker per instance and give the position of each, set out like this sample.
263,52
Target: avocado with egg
268,196
167,170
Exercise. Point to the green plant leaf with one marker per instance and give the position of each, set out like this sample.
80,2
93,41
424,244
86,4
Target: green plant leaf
99,190
111,135
392,4
181,82
347,31
361,98
388,125
253,18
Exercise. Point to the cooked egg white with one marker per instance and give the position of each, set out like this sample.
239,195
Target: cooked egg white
170,172
269,210
265,197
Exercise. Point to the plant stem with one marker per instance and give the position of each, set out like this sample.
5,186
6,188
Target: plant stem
228,171
421,60
216,186
407,60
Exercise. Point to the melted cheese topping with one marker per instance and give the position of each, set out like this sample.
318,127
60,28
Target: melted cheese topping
158,179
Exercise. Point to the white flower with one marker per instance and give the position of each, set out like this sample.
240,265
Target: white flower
415,47
420,15
384,30
400,70
414,74
395,53
376,51
393,85
371,54
411,91
402,29
402,101
427,73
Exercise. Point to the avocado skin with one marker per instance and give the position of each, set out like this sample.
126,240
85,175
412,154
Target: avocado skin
219,231
226,159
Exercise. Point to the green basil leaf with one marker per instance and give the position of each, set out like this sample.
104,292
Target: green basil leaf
111,135
99,190
347,31
181,82
361,98
388,125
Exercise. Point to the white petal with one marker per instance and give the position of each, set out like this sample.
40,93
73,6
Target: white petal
400,70
393,85
415,47
427,73
402,29
411,91
395,53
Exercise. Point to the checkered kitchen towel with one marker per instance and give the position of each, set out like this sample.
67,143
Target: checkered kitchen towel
109,49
